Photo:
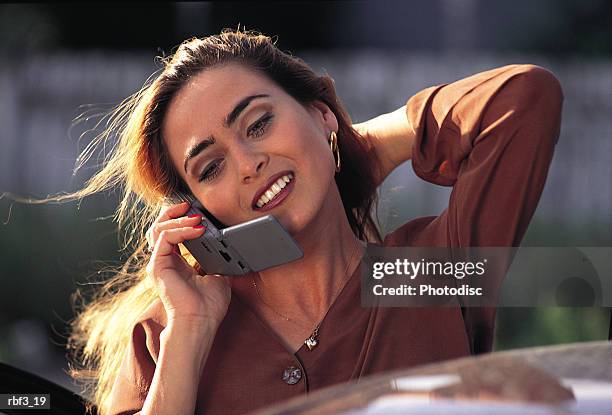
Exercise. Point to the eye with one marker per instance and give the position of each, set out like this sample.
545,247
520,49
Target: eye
258,128
211,171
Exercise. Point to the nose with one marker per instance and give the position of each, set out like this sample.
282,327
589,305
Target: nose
250,163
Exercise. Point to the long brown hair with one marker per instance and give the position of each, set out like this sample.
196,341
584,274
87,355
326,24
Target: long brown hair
139,164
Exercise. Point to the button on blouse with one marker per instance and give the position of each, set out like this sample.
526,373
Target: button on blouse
292,375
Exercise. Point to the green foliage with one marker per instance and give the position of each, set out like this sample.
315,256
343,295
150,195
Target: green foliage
527,327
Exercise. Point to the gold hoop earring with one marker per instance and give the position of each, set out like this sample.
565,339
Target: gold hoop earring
333,144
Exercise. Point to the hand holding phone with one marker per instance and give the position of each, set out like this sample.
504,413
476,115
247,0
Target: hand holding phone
240,249
186,296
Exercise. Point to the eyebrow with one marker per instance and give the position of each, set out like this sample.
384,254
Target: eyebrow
229,120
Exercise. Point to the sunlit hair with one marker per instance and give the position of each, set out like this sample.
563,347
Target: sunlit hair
140,166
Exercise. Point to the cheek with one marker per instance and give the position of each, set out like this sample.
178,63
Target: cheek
308,145
316,170
318,161
220,200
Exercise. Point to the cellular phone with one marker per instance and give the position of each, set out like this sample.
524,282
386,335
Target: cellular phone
240,249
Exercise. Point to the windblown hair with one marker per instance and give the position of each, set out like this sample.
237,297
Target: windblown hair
139,165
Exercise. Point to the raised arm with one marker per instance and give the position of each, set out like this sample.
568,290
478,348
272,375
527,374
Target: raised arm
494,145
395,134
491,136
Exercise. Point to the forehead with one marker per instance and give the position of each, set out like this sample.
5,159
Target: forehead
215,91
200,106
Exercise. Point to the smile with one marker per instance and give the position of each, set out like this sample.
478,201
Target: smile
275,193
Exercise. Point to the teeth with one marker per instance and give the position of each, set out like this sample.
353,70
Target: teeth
274,189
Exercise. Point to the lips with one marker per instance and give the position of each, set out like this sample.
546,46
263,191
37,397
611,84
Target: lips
262,190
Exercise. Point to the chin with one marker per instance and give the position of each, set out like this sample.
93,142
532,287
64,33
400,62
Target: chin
292,225
293,222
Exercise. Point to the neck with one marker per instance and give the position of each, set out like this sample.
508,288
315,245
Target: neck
303,290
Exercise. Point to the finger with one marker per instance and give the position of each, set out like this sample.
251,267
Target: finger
172,212
169,238
182,222
166,213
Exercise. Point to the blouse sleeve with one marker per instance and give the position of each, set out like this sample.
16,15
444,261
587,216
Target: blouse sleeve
491,136
138,365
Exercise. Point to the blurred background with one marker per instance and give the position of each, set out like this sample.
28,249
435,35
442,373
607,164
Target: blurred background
58,61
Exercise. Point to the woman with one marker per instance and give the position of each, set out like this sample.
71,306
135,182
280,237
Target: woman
226,118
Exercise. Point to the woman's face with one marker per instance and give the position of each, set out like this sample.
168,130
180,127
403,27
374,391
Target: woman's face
232,133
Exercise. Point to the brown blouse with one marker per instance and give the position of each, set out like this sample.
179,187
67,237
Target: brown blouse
491,136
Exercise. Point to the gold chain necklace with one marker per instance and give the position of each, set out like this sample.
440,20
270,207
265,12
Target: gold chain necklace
312,340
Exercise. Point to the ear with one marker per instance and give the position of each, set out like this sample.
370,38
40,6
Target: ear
325,115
